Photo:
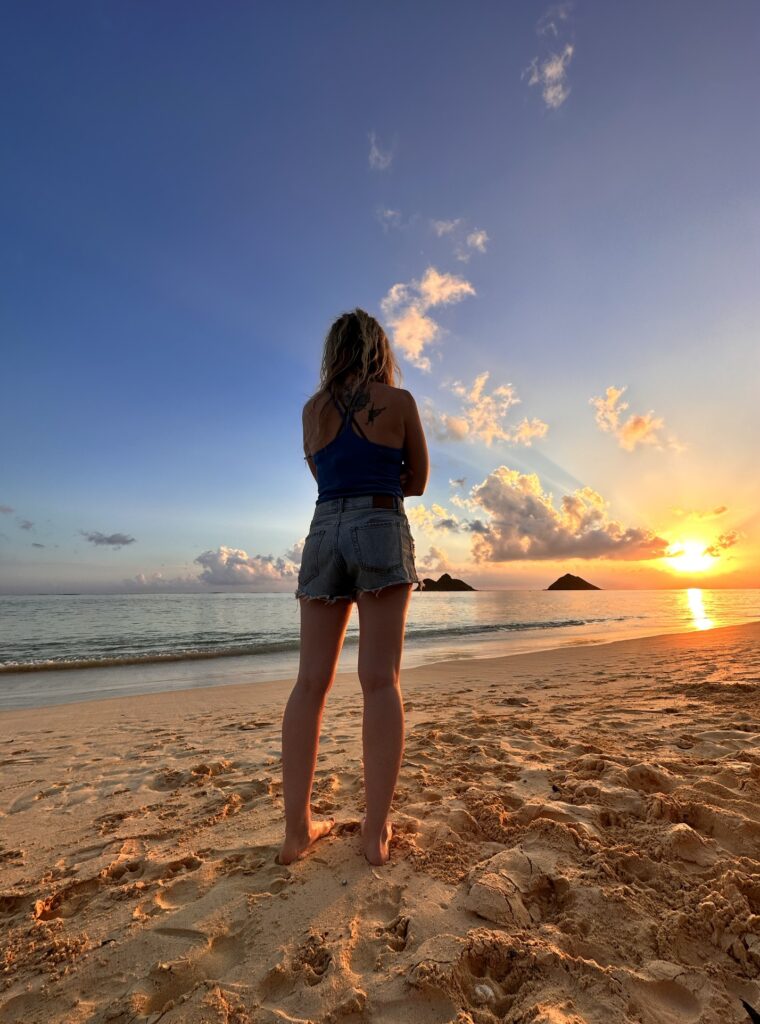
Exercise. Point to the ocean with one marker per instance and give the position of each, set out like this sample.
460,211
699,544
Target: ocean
69,647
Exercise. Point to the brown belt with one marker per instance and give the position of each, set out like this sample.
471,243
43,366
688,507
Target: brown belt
383,501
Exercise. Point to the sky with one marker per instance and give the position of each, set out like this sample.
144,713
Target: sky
553,210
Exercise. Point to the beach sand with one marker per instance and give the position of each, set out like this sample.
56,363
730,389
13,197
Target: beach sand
577,839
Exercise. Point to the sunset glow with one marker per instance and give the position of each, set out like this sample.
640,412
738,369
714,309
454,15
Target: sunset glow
697,609
689,556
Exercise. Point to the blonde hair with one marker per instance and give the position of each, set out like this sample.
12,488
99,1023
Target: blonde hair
356,344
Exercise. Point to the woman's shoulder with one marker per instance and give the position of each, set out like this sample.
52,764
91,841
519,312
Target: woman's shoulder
389,392
398,401
314,400
384,392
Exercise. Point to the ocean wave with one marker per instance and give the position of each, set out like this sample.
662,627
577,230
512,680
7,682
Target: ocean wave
222,648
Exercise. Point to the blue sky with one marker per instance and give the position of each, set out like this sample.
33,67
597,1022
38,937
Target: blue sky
191,193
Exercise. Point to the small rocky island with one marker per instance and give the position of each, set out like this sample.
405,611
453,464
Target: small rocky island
444,582
570,582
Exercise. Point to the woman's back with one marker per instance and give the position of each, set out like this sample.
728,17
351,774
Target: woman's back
378,410
357,440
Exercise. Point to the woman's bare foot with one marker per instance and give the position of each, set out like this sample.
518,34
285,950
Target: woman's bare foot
376,848
294,848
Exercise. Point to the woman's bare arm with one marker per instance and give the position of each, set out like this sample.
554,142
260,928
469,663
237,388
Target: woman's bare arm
309,459
416,459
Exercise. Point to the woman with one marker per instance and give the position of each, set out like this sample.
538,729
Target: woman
365,446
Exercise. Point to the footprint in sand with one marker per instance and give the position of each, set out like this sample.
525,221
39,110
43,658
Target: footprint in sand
169,983
304,963
68,901
166,880
185,891
255,862
378,929
661,997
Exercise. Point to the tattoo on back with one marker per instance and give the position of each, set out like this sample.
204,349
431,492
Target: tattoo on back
373,413
359,400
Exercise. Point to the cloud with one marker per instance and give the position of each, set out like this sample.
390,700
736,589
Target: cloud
25,524
443,426
405,308
551,19
6,510
457,481
551,75
527,429
637,429
295,554
433,519
444,227
475,240
724,541
433,563
389,218
524,524
691,513
156,581
36,545
113,540
438,289
379,160
476,526
482,416
234,566
227,566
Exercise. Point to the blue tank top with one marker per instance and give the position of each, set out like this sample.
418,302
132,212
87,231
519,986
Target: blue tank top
350,464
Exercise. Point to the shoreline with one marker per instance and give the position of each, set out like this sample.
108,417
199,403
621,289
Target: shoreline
487,664
198,646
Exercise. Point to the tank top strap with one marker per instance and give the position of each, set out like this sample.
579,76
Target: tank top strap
335,402
346,413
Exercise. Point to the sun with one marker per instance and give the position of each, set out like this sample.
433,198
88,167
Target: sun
689,556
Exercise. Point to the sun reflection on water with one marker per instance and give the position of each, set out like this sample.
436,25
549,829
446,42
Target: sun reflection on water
697,609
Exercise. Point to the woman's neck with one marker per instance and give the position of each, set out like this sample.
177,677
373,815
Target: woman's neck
350,391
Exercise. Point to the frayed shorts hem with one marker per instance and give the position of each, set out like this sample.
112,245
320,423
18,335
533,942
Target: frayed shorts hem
330,599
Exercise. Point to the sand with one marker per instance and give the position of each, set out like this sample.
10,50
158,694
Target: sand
577,839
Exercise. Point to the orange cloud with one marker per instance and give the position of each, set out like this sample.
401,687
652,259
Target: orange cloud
406,306
524,524
637,429
724,541
482,416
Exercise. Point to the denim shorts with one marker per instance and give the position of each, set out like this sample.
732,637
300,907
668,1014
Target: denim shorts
353,547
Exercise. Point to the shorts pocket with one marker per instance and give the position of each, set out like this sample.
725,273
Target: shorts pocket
310,556
378,545
408,534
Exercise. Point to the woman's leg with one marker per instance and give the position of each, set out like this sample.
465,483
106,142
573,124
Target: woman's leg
382,618
323,627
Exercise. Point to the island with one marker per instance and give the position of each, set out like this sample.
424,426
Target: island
570,582
444,582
